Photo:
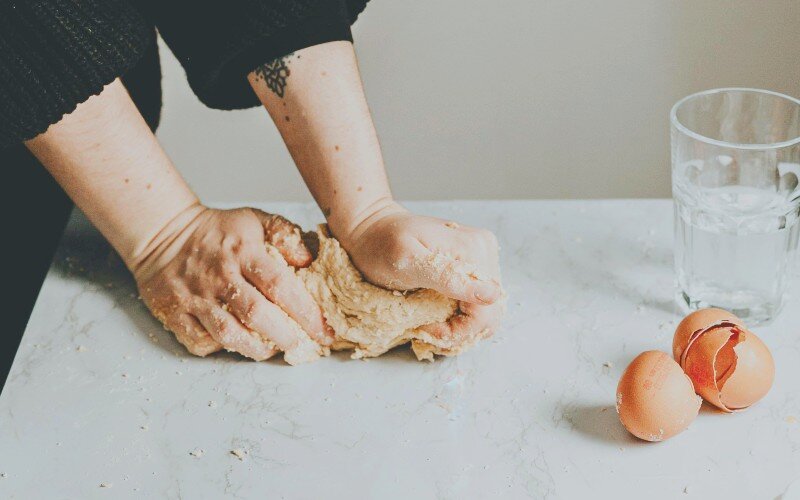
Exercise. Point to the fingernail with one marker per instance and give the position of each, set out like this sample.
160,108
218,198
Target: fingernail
481,299
486,292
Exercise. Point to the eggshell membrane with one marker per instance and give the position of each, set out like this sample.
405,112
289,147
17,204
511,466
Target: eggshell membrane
701,363
730,367
655,399
695,324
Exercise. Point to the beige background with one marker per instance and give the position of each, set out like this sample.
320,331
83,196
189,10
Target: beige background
509,99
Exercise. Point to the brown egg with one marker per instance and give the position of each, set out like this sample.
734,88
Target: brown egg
695,324
730,367
655,399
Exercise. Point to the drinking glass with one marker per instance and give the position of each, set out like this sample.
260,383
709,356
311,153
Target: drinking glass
735,169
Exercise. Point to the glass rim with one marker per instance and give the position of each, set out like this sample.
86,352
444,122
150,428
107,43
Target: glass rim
673,118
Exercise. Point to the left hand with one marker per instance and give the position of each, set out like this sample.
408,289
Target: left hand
396,249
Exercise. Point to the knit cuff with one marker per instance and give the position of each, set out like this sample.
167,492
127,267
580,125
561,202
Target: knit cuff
55,54
227,87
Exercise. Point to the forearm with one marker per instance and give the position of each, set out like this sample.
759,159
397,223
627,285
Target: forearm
316,99
111,165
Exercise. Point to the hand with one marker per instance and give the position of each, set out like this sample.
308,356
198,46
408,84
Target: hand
396,249
209,278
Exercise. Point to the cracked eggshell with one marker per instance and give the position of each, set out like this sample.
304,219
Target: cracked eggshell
730,367
655,399
690,328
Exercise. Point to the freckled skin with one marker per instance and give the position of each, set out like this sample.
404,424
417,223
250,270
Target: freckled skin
392,247
220,288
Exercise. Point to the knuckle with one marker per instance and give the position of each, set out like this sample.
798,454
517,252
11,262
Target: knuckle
232,243
227,272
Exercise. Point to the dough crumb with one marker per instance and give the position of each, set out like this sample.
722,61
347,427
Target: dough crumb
106,485
239,453
197,453
81,348
212,404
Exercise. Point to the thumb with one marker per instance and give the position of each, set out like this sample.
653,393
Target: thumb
286,236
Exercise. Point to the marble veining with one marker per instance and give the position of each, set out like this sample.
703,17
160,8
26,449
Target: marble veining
102,402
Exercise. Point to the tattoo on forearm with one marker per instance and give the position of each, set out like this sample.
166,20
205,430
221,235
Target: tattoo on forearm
275,73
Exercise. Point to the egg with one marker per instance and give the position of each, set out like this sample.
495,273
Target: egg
729,366
655,399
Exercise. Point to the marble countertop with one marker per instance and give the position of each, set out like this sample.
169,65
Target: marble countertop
101,402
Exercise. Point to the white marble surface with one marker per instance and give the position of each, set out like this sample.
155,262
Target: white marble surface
100,394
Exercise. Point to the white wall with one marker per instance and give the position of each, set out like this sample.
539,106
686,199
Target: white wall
511,98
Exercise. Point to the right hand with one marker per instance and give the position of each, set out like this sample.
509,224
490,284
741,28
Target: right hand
398,250
209,278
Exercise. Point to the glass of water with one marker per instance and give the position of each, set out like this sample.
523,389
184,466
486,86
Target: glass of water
735,169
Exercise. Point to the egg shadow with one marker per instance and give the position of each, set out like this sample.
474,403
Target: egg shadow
600,423
709,409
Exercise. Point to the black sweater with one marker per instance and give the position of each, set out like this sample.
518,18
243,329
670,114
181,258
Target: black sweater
55,54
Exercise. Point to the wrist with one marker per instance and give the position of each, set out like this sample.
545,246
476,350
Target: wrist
349,227
164,241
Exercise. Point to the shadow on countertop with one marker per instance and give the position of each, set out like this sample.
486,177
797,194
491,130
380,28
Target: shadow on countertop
600,423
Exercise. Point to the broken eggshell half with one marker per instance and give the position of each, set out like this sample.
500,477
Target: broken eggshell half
696,323
655,398
730,367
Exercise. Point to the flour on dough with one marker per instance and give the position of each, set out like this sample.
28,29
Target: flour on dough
369,319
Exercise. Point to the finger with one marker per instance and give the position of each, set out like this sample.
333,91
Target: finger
472,322
256,313
277,282
226,329
450,276
192,335
286,236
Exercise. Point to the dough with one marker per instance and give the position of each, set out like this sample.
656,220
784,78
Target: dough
369,319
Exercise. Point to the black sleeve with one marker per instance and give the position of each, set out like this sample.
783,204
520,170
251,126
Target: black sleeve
219,43
55,54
